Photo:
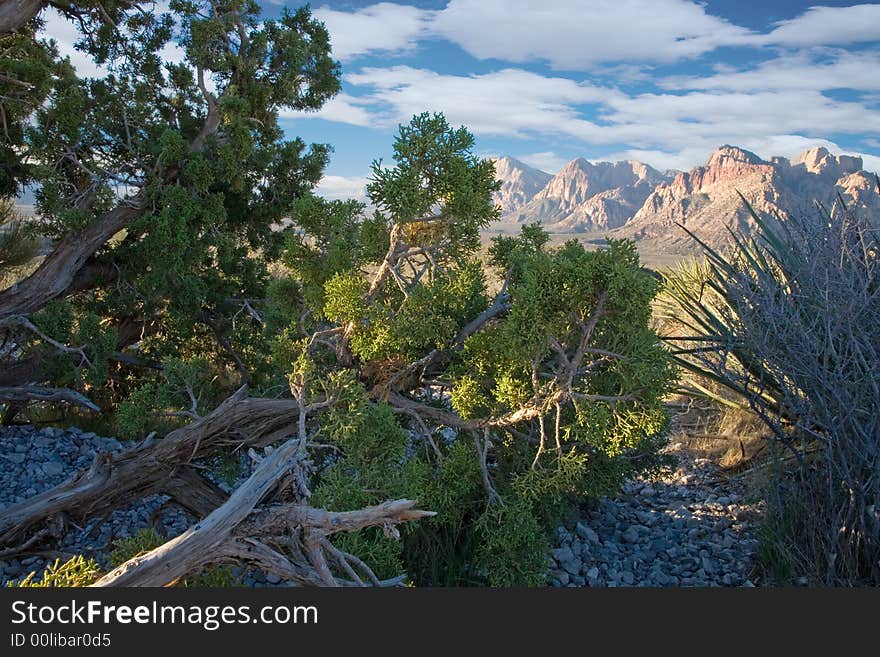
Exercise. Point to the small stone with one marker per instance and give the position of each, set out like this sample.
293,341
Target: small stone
563,554
593,573
15,457
272,578
572,567
561,576
631,535
587,533
627,577
53,468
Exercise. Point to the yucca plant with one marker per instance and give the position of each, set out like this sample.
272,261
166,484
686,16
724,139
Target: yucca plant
789,321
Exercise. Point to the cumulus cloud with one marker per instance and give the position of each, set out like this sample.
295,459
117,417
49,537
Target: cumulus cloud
545,161
342,187
520,103
821,70
510,102
828,26
342,108
576,34
383,27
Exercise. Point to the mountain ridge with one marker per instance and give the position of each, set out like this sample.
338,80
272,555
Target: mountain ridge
632,199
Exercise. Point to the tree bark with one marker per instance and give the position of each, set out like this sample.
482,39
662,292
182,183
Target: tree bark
25,394
149,467
57,272
234,532
15,13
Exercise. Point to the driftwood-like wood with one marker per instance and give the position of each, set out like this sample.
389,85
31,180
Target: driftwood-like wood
153,466
287,539
27,393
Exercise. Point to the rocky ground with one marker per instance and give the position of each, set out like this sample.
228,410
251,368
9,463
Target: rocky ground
687,528
32,461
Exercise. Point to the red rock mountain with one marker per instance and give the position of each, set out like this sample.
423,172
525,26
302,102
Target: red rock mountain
631,199
706,198
587,197
519,183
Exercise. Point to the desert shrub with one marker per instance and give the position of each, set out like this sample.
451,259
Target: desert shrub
133,546
792,325
76,571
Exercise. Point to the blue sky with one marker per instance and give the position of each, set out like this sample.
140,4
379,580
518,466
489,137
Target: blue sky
663,81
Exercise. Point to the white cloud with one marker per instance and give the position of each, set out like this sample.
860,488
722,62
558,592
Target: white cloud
343,108
872,162
829,25
545,161
511,102
798,70
519,103
342,187
381,27
576,34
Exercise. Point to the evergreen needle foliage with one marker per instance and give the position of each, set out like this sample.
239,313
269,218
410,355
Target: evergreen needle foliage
201,261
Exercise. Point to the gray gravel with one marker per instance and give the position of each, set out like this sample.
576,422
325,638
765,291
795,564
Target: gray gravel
687,528
684,529
33,460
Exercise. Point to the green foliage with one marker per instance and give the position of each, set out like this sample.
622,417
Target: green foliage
514,548
18,246
134,546
76,571
234,273
170,287
213,577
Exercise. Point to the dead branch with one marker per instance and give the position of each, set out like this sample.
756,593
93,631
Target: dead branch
32,393
239,531
152,466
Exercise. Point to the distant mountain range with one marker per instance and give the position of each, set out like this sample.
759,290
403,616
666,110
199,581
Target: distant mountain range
632,199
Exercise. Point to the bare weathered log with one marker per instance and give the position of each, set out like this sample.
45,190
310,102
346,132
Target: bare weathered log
235,532
29,393
151,467
194,492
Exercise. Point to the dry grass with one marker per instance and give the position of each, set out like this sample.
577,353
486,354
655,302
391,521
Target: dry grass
733,439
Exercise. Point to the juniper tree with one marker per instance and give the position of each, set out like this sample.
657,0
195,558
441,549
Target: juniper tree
159,183
386,355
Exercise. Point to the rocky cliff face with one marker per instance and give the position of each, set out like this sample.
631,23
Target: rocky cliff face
631,199
706,199
519,183
585,196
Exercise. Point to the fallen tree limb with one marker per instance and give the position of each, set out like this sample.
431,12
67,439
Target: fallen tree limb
31,393
236,532
149,467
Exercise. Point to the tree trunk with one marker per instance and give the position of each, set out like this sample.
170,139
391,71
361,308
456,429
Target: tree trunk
15,13
57,272
234,532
